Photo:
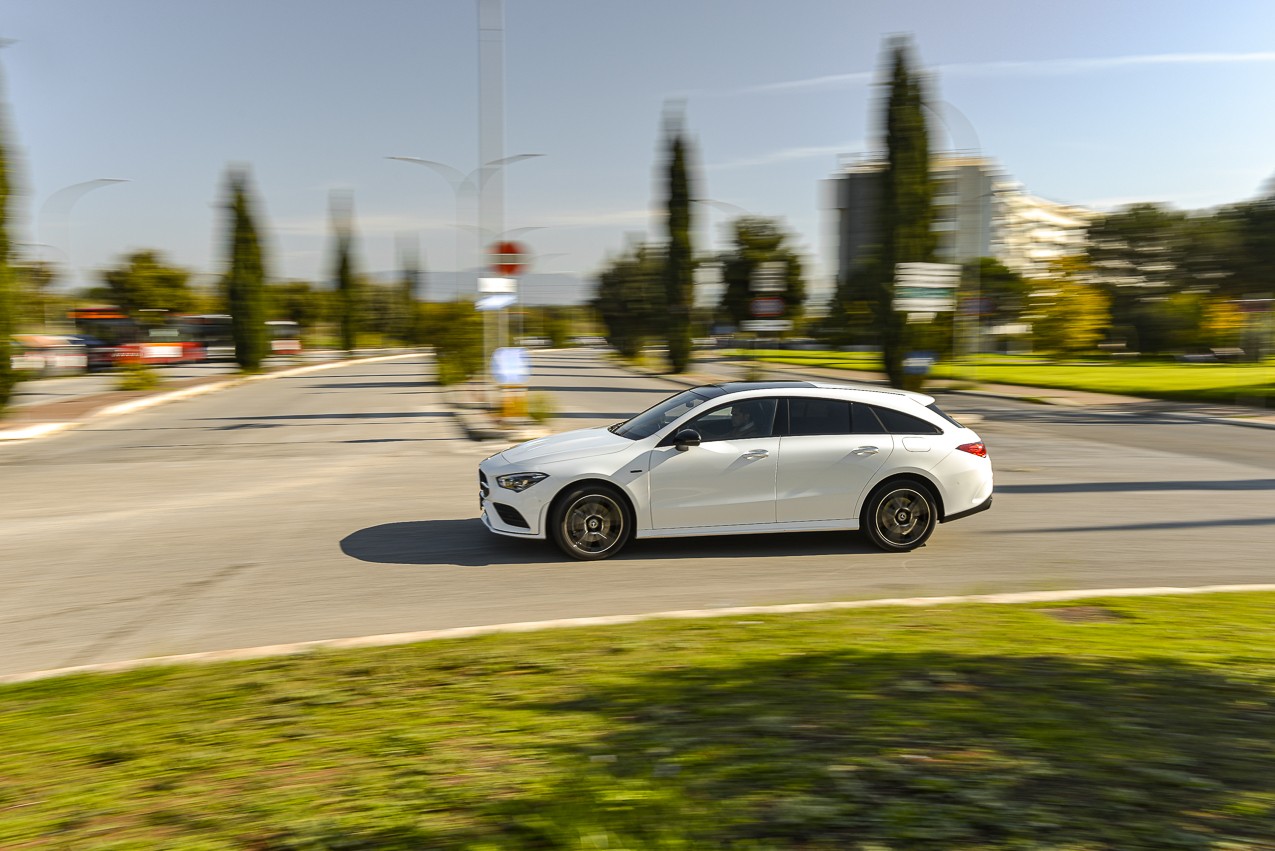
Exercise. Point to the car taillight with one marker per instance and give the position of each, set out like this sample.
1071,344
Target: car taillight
978,449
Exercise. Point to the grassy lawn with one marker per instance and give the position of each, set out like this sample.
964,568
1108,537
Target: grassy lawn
1111,724
1206,382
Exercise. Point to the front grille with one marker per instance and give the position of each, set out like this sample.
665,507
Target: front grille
483,490
510,515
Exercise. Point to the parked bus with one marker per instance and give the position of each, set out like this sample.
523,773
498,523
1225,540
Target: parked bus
285,337
215,332
125,340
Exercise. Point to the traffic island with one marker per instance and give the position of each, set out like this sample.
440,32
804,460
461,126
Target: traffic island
485,413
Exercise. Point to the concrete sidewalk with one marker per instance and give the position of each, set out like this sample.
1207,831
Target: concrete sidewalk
30,421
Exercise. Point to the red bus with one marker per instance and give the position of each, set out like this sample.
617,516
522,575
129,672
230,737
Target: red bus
124,340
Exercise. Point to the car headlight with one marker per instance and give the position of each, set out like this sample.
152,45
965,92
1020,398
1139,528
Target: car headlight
519,482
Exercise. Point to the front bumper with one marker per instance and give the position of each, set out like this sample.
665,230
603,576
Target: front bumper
505,512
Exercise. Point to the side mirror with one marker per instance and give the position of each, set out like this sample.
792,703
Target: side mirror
685,439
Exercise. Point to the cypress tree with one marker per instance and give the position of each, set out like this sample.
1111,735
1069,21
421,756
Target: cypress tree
7,307
409,293
246,279
906,213
679,267
346,285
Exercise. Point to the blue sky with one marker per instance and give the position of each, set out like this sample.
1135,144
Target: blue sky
1096,103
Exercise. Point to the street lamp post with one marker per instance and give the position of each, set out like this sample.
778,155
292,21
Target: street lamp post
60,203
975,332
460,182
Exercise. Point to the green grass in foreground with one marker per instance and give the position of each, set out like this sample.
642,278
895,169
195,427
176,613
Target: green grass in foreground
1204,382
1129,724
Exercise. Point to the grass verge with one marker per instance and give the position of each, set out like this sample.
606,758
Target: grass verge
1248,384
1109,724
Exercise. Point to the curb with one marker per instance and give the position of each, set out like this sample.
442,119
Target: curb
478,424
31,432
394,639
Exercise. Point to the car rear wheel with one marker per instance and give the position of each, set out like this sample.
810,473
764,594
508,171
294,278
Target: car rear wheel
900,516
591,523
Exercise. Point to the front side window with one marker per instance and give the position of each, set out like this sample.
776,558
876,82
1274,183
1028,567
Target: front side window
656,417
740,421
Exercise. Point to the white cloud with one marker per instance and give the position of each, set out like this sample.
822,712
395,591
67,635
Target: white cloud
588,218
1014,68
364,225
788,154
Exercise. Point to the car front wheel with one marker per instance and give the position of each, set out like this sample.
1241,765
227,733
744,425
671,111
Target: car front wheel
591,523
900,516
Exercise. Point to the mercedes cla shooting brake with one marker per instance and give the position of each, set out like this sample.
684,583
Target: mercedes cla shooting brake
742,457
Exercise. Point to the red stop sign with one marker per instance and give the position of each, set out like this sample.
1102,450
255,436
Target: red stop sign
507,258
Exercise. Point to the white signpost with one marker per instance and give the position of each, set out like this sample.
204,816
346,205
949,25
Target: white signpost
926,287
766,324
769,277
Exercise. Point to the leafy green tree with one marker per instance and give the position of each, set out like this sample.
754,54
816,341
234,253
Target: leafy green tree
456,330
679,264
349,301
1002,290
1252,268
1068,315
410,286
630,298
297,301
557,326
245,280
906,212
144,281
759,240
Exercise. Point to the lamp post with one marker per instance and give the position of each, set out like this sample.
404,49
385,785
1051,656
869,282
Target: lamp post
60,203
974,332
460,182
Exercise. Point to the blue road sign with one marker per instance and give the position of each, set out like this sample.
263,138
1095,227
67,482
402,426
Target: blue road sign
510,365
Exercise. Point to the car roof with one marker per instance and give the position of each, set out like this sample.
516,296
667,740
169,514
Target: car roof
749,386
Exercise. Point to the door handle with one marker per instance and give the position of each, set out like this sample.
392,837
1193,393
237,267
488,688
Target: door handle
754,454
865,450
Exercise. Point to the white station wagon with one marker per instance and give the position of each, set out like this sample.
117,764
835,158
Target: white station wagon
744,457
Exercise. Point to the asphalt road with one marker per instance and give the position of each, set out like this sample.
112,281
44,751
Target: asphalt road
344,503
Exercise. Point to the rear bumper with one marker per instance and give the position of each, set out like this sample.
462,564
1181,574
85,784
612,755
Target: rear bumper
982,506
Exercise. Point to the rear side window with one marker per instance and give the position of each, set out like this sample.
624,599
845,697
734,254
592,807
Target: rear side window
934,408
897,422
818,416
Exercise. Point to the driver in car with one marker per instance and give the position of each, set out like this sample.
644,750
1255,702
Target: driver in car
742,424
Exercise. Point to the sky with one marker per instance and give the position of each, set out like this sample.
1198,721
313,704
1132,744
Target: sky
1092,103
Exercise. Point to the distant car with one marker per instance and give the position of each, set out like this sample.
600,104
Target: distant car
744,457
47,355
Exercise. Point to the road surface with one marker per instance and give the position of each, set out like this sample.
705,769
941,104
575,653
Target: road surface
344,503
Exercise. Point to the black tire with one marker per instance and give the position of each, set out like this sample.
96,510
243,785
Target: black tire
591,522
900,516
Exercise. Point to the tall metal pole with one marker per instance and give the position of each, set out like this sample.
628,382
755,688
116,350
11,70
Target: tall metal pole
491,127
59,204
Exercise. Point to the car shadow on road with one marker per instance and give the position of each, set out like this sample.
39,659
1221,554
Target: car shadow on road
466,543
463,543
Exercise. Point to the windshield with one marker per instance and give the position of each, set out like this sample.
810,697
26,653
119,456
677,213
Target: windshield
655,418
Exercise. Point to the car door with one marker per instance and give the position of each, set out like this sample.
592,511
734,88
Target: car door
728,480
828,454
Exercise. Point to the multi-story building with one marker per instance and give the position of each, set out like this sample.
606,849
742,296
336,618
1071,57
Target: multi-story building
977,213
1032,232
